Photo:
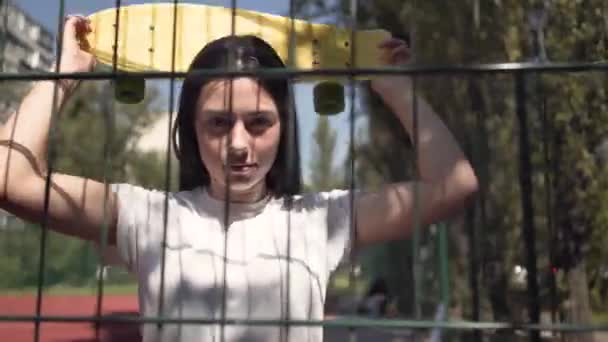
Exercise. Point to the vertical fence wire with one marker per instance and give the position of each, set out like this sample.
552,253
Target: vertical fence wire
476,217
473,261
444,269
4,7
525,183
416,210
226,223
416,267
166,213
108,112
291,152
47,188
3,41
352,28
547,132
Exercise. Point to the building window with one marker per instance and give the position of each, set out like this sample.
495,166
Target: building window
46,40
35,59
34,32
20,22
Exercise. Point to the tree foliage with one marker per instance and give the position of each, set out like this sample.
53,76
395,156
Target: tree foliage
567,120
323,174
92,137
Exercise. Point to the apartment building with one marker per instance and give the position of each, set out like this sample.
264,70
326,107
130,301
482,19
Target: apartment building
25,44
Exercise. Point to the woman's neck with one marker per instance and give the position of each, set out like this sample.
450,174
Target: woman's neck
252,195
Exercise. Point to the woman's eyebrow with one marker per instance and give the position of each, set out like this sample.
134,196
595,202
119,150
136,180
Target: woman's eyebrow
215,112
259,113
221,112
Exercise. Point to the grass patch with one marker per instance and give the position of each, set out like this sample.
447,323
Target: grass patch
63,290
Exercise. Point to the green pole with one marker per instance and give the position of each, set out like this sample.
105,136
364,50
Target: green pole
444,270
4,37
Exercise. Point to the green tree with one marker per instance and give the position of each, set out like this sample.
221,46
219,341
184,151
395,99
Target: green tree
567,122
10,93
92,137
323,176
96,136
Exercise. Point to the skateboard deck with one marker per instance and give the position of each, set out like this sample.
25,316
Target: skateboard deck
145,37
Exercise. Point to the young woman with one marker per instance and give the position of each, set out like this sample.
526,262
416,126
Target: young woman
273,257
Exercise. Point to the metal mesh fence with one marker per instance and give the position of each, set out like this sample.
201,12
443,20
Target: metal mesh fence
530,83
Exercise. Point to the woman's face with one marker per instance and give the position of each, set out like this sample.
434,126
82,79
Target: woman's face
238,130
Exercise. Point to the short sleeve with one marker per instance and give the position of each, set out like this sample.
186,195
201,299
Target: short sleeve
137,220
339,226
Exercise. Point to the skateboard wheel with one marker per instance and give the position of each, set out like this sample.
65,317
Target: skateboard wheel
130,90
328,98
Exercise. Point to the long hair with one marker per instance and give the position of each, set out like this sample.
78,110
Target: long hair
232,52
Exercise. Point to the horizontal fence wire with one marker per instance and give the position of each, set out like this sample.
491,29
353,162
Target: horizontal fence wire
291,73
344,322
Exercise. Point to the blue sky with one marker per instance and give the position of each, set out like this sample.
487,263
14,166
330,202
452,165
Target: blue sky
47,13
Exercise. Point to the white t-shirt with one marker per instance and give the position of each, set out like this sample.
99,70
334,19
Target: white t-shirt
257,267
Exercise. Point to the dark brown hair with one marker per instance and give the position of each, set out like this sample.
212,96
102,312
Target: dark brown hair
235,52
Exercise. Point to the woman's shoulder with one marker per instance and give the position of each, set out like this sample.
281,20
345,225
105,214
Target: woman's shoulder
134,194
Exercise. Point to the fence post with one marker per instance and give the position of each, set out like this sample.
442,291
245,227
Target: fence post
525,183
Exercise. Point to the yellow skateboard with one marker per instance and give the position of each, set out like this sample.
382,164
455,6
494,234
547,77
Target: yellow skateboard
145,43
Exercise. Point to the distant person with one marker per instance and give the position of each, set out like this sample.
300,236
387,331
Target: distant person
376,300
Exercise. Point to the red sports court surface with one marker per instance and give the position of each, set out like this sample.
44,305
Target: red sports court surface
68,306
84,306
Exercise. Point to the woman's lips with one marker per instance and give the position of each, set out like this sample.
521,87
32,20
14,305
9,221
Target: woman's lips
242,169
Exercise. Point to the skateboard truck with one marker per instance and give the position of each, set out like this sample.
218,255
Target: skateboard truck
128,88
328,97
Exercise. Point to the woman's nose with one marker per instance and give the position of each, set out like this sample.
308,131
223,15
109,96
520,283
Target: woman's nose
239,141
237,155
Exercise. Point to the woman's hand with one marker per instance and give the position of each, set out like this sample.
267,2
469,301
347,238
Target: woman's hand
395,52
73,57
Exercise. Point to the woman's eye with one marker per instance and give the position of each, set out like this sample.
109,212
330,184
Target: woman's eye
219,122
261,122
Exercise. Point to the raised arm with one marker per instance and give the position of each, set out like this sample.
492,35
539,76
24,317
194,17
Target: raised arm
446,178
76,205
